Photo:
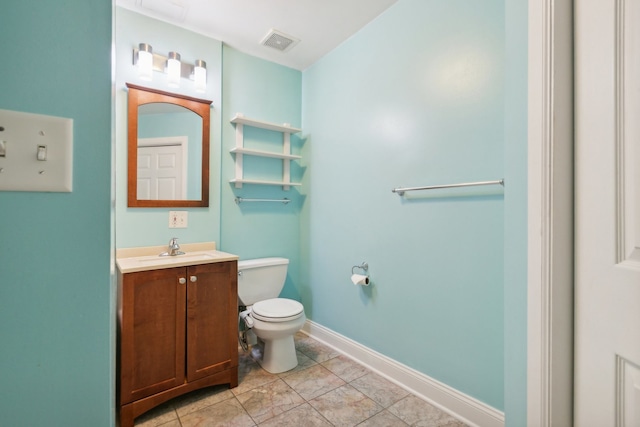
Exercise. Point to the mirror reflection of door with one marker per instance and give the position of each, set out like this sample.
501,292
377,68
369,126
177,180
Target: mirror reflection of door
166,173
162,168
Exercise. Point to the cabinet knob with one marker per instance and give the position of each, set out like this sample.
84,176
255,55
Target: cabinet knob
182,280
194,278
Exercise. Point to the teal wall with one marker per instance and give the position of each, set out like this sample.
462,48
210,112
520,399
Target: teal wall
415,98
269,92
146,226
515,241
430,92
56,315
259,89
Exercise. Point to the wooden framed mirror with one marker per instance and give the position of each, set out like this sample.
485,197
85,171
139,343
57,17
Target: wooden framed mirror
168,149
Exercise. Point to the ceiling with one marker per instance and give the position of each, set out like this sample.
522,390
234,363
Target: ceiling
320,25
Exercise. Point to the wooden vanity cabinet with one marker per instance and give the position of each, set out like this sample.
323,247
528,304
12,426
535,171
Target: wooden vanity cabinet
177,333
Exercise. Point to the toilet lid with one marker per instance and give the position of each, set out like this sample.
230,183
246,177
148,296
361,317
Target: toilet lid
277,308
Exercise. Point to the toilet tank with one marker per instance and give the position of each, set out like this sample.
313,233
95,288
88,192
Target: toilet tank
261,279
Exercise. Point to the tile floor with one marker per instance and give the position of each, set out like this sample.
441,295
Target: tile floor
325,389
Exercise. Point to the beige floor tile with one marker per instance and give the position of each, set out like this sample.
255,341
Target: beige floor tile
304,362
270,400
251,375
174,423
326,389
199,399
416,412
345,368
158,416
383,419
382,391
313,381
303,415
345,406
315,350
228,413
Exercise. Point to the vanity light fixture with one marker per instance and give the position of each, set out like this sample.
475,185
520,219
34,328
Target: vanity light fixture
173,69
200,76
147,62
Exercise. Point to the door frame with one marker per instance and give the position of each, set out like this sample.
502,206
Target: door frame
550,214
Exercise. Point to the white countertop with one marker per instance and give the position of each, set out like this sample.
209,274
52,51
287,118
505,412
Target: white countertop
130,260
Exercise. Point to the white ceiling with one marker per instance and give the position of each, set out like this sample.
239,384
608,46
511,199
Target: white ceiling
321,25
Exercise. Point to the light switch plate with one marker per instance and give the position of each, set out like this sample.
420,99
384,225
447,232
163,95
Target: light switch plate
37,152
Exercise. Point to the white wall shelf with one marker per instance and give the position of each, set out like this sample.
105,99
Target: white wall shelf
264,153
240,121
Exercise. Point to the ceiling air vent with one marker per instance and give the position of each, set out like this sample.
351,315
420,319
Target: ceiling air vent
279,40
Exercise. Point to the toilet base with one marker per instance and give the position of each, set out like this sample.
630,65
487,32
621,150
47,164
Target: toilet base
278,355
275,340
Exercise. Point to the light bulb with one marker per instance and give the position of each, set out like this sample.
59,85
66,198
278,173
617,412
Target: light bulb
173,69
145,62
200,76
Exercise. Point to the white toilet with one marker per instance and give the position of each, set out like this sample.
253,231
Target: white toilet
273,320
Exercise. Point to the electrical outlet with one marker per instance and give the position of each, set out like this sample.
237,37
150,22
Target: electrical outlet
178,219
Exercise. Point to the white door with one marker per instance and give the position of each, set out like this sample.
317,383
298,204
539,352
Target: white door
607,275
161,168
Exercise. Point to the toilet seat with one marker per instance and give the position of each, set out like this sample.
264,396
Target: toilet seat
277,310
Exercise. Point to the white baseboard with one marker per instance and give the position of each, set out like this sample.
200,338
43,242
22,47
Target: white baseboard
466,408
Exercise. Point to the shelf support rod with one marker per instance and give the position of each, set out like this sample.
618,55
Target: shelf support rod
242,200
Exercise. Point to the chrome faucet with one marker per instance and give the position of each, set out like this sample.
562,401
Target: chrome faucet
174,248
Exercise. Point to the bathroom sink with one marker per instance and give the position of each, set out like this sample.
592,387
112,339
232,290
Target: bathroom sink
145,262
179,258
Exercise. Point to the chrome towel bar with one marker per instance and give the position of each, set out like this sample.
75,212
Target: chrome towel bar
401,191
242,200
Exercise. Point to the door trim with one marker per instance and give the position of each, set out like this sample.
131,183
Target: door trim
550,214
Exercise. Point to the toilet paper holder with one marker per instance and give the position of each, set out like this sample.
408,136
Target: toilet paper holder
360,279
364,266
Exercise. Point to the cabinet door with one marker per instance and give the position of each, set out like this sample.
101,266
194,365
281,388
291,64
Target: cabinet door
153,332
212,314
